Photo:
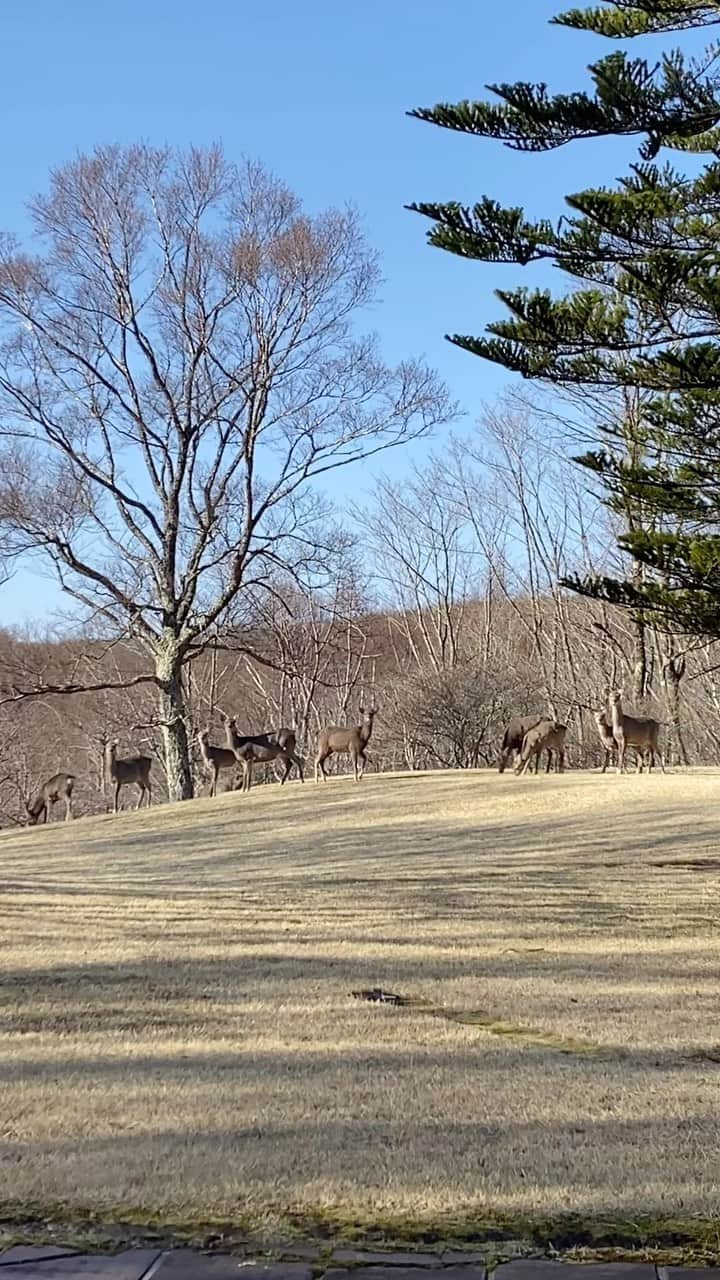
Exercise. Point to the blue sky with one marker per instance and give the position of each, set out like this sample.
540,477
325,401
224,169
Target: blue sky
318,90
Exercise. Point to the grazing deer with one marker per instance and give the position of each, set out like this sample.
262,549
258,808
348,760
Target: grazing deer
287,740
513,739
215,759
61,784
548,736
633,731
604,728
260,749
134,769
351,741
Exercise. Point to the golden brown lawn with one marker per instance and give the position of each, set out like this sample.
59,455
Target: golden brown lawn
177,1037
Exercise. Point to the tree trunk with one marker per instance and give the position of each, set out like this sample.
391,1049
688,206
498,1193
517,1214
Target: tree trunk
178,765
639,661
673,672
639,641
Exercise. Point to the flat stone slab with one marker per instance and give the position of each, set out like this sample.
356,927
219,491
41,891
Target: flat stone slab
53,1264
540,1269
390,1272
688,1273
185,1264
36,1253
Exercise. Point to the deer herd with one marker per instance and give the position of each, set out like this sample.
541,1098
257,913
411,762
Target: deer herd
528,737
525,741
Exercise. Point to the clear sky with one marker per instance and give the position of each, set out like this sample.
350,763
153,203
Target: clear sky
318,90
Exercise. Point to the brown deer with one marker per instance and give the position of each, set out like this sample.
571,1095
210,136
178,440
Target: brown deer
548,736
604,728
133,769
260,749
633,731
513,740
60,785
351,741
286,739
215,759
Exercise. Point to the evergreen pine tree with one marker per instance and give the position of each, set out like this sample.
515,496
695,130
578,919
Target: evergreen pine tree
642,311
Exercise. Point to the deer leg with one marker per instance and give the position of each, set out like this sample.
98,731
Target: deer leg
213,782
68,808
141,786
247,775
320,764
299,764
549,762
607,761
287,760
621,754
561,761
650,759
148,792
117,793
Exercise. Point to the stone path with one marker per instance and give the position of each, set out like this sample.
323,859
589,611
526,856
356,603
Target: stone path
53,1263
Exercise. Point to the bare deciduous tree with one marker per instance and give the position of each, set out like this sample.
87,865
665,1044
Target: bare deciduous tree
179,362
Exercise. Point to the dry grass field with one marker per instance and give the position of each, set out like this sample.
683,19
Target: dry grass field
178,1041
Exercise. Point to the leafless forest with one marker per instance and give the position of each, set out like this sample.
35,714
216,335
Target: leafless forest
444,609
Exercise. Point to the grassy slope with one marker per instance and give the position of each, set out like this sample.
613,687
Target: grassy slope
177,1039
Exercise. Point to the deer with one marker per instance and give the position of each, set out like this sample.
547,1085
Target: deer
215,759
351,741
513,739
60,785
133,769
633,731
260,749
604,728
548,736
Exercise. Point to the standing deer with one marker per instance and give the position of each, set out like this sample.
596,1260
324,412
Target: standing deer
351,741
134,769
215,759
604,728
260,749
548,735
61,784
633,731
